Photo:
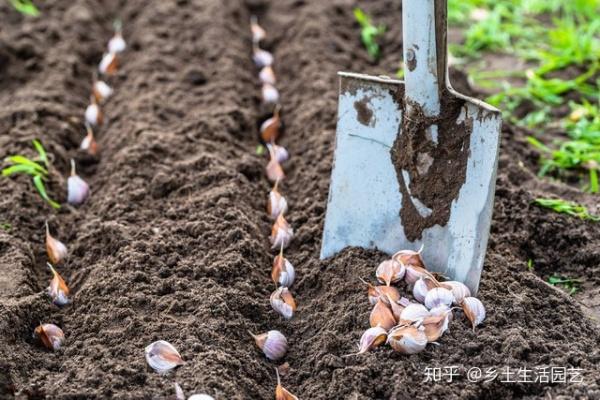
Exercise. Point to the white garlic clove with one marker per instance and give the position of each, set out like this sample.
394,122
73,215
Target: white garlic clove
407,339
420,290
269,129
434,326
258,33
267,75
459,290
273,344
270,94
200,397
117,44
282,393
55,249
390,271
50,335
274,171
375,292
58,289
77,189
281,233
162,357
372,338
179,395
283,272
474,310
279,152
382,316
262,58
108,64
438,296
101,91
413,273
414,312
442,309
277,204
93,114
283,302
89,143
410,258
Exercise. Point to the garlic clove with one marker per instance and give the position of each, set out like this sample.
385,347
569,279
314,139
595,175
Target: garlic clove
410,257
262,58
375,292
394,306
438,296
93,113
55,249
77,189
267,75
459,290
117,44
413,273
442,309
381,315
283,272
258,33
162,357
272,343
390,271
280,153
407,339
269,129
179,395
277,204
435,325
101,91
89,143
50,335
474,310
282,393
200,397
283,302
274,171
422,286
109,64
270,94
372,338
414,312
58,289
281,233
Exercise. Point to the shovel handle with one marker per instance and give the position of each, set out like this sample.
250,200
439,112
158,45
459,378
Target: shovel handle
424,31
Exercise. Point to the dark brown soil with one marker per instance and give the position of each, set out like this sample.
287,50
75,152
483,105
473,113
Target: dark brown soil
173,242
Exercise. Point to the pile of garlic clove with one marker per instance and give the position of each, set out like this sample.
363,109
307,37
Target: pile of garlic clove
407,326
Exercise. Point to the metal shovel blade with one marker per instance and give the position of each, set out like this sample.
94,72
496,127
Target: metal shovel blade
414,168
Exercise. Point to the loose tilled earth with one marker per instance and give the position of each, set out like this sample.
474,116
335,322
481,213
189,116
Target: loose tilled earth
173,242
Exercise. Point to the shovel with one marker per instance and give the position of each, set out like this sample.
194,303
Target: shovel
415,161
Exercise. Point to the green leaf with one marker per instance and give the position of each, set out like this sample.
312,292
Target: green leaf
18,159
39,185
25,7
41,151
260,150
20,169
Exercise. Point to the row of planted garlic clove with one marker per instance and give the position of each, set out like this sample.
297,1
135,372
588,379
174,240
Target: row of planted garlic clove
78,191
408,326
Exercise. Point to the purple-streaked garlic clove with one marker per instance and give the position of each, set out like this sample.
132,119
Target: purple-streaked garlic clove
162,356
77,189
270,94
272,343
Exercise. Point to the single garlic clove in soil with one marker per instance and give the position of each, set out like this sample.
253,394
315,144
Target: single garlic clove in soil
390,271
382,316
262,58
283,302
162,357
200,397
372,338
281,233
50,335
93,113
283,272
58,289
179,395
270,94
258,33
434,326
77,189
270,128
438,296
101,91
273,344
89,143
280,153
55,249
274,171
277,204
267,75
474,310
410,257
407,339
282,393
117,44
109,64
414,312
459,290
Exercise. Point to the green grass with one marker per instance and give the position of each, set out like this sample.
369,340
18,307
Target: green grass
37,169
560,39
572,285
25,7
369,33
5,226
566,207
